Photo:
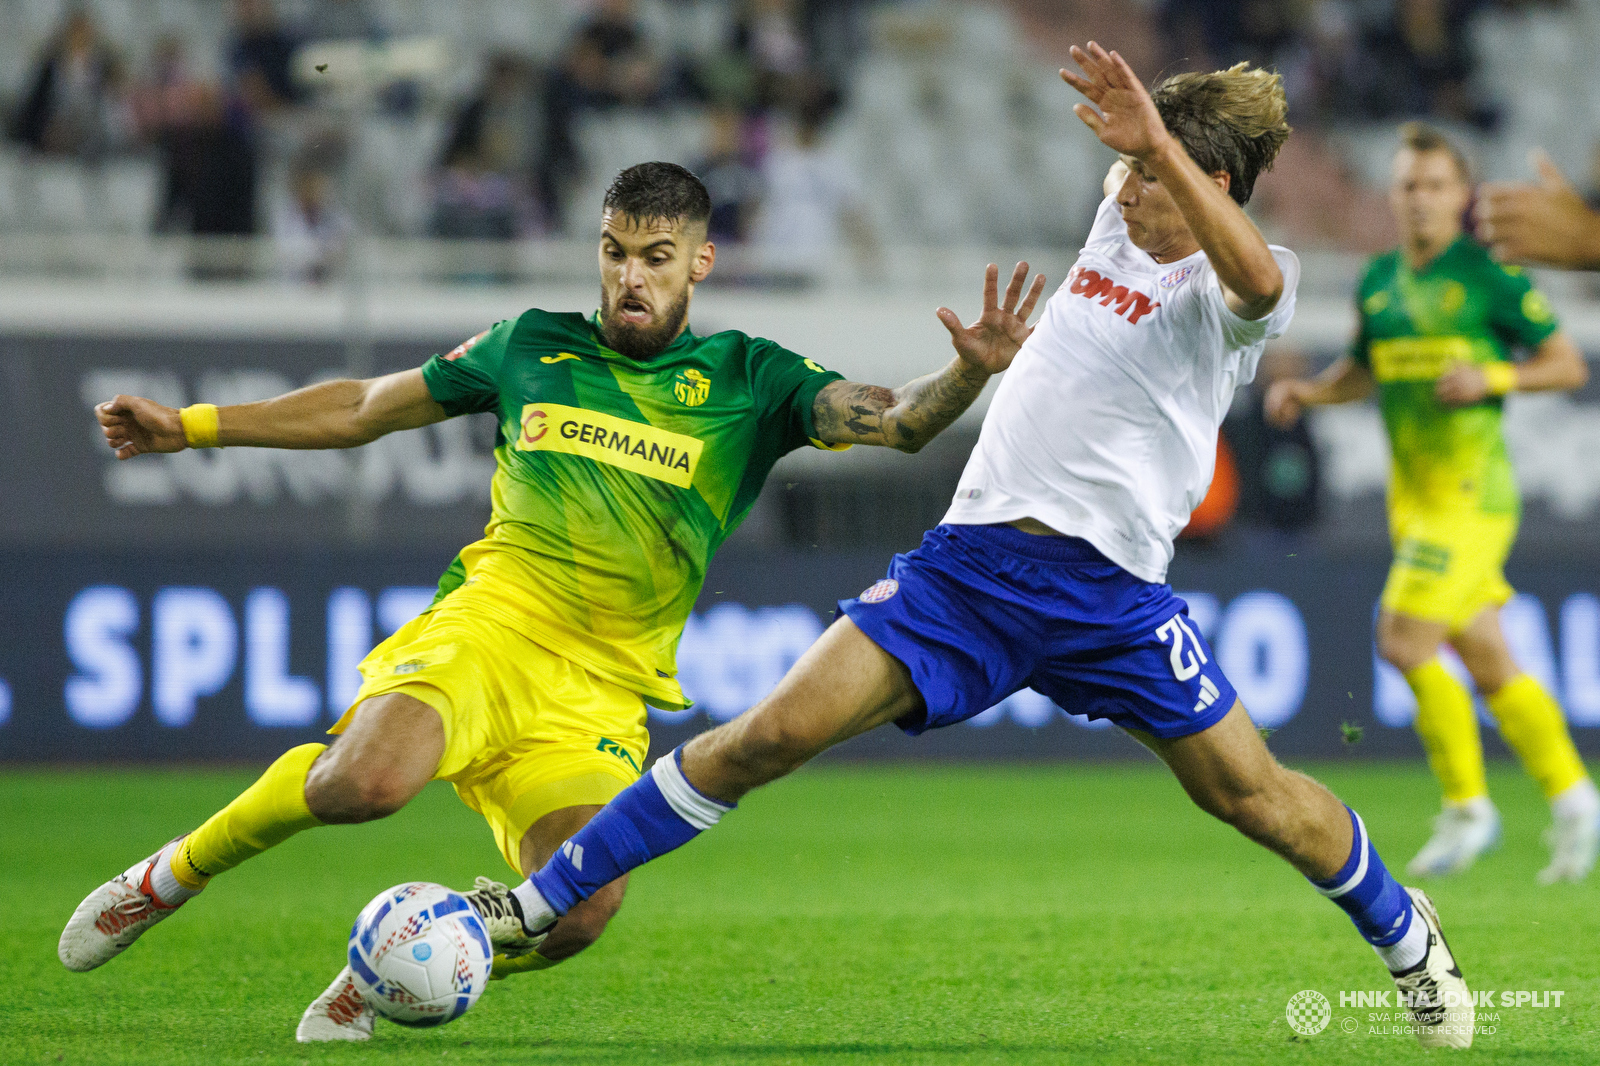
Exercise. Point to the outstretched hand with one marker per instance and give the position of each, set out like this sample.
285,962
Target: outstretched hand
990,343
1546,223
134,425
1127,121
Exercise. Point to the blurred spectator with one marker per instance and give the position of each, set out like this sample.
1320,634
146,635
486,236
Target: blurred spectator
767,37
259,57
493,169
811,207
731,173
473,201
611,61
206,142
309,231
1224,32
834,35
1428,51
72,104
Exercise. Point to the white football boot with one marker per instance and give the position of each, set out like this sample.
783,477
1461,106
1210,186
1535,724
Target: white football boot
340,1013
502,919
112,917
1574,844
1461,833
1433,990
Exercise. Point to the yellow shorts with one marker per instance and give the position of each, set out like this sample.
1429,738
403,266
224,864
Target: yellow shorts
527,732
1448,567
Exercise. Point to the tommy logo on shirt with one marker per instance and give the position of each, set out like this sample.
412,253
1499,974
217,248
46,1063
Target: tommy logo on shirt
1091,285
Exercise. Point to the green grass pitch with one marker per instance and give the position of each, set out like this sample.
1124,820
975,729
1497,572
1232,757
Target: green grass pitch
907,914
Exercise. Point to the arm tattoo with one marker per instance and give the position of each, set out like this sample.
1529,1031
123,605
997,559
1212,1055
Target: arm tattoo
847,413
906,418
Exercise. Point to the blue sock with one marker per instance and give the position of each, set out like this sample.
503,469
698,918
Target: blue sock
1364,889
656,814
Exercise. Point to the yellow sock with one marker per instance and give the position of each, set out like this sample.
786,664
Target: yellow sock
504,967
267,813
1532,726
1449,731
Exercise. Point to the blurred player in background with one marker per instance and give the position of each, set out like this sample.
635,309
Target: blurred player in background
1439,320
630,448
1546,223
1049,570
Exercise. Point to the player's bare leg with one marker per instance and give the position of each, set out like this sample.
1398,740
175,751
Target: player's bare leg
1447,724
809,711
1229,773
577,929
390,750
1532,725
812,709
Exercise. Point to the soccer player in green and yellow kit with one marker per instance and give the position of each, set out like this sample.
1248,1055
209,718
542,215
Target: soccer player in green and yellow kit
1439,321
629,449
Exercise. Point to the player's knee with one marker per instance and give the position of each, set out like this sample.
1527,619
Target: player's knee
341,793
1400,651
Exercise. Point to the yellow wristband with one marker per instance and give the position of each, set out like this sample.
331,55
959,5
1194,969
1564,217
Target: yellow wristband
1500,377
200,425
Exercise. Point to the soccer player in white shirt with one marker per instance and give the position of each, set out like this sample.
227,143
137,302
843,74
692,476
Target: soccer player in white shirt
1049,570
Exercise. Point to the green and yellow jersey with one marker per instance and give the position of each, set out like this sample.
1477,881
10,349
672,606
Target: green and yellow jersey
1461,307
616,480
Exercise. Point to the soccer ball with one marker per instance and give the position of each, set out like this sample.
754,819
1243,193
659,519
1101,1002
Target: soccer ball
419,954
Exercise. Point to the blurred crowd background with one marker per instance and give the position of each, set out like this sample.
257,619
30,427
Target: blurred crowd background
820,125
876,150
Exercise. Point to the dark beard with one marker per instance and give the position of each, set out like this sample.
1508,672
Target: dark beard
642,342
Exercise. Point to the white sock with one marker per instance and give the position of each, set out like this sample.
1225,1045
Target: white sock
1409,949
536,913
167,888
1581,800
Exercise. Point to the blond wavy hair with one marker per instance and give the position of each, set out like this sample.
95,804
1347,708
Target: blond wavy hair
1232,120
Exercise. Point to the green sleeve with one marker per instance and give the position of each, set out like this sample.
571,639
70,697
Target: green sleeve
466,380
1519,313
1360,345
785,387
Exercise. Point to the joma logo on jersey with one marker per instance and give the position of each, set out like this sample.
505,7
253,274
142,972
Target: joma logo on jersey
1091,285
691,387
637,447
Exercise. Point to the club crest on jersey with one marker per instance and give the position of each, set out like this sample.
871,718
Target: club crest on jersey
691,387
1174,278
1092,285
881,591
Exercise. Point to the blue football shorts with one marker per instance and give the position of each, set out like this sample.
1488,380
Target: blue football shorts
979,612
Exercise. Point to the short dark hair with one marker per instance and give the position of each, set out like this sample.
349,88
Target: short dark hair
658,192
1421,137
1233,120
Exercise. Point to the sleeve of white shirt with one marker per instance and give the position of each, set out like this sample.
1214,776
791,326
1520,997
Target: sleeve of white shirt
1242,332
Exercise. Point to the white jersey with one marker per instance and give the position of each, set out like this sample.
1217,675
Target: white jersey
1105,427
